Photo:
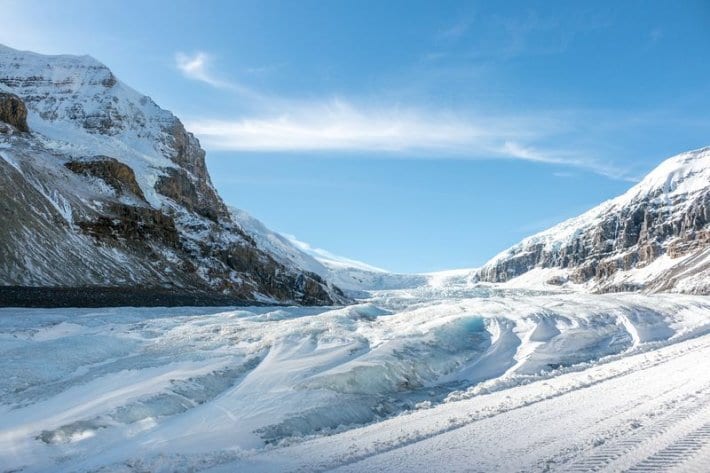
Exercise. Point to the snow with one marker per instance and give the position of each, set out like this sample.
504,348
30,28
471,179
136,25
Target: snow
590,420
183,389
76,93
355,277
279,246
676,179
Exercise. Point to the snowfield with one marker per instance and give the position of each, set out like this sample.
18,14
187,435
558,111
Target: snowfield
436,378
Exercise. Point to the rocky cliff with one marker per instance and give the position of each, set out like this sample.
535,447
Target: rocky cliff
101,188
655,237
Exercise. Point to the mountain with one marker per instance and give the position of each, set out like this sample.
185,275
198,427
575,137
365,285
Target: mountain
354,277
655,237
101,188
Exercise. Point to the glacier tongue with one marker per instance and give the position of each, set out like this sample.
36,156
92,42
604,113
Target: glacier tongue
201,386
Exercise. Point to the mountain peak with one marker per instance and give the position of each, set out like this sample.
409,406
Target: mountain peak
683,173
662,220
128,193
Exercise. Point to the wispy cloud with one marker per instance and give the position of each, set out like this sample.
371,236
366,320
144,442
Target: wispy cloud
573,159
340,126
196,67
457,30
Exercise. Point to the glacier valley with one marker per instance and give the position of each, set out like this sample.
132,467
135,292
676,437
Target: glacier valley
585,347
366,387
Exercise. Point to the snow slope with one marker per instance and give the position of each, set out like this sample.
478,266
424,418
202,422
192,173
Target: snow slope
656,236
186,389
353,276
643,413
107,189
82,108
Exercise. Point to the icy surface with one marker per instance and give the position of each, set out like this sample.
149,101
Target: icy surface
191,388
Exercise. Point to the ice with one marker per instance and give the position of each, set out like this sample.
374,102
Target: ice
95,388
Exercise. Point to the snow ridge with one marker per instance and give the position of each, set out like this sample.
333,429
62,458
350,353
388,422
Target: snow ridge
352,276
661,223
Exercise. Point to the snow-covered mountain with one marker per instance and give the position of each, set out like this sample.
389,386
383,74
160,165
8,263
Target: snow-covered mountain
655,237
354,277
103,188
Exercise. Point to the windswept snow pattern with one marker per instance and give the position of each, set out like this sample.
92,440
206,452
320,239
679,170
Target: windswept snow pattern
189,389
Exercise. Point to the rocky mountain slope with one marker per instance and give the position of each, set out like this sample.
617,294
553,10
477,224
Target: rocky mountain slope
101,188
655,237
354,277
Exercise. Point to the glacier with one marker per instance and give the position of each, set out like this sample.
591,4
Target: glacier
187,389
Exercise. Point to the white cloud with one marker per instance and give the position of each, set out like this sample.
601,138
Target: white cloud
286,125
337,125
196,67
340,126
566,158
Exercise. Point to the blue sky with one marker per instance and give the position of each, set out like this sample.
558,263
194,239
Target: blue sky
414,136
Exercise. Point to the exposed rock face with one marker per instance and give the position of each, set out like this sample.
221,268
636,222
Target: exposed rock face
113,172
668,213
110,190
195,195
133,225
13,111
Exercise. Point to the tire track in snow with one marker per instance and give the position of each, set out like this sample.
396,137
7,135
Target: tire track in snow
641,440
676,453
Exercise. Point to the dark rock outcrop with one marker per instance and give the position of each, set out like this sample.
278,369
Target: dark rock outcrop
622,241
195,195
137,225
113,172
13,111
